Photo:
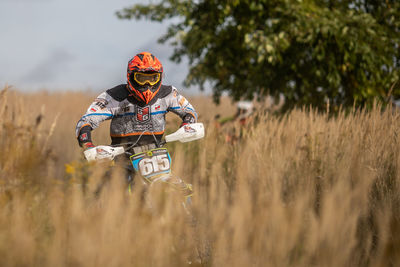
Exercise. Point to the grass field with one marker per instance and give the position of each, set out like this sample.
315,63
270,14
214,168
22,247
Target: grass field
303,189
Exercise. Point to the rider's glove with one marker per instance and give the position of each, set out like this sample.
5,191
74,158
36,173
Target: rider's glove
87,145
84,137
187,119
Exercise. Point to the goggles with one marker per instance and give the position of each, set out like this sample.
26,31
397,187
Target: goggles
150,78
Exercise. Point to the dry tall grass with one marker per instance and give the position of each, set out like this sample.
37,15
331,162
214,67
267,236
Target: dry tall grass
305,189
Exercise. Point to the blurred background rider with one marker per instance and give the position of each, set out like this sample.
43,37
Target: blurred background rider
233,127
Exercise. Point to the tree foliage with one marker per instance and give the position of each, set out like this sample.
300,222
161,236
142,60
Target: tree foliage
346,51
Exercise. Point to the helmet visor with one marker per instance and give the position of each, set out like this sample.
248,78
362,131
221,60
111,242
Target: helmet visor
150,78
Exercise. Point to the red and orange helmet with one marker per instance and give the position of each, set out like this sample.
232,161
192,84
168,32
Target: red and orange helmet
144,76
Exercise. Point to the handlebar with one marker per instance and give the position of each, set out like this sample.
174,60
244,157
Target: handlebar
187,133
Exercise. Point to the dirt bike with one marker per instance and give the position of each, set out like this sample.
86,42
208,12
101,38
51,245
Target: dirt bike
152,162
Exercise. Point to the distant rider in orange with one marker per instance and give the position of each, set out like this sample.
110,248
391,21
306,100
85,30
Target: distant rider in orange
234,127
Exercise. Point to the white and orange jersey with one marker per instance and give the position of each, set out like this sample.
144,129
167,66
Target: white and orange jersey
134,121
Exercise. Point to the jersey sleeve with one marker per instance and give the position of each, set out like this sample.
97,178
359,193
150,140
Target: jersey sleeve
100,110
179,105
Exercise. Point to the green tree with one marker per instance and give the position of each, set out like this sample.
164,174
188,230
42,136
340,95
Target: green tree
308,51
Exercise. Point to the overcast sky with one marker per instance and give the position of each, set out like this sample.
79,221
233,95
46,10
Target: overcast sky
75,44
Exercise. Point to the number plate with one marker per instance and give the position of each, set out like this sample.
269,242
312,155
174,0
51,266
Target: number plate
152,163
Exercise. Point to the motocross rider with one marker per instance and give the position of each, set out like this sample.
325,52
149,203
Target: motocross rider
235,126
137,109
